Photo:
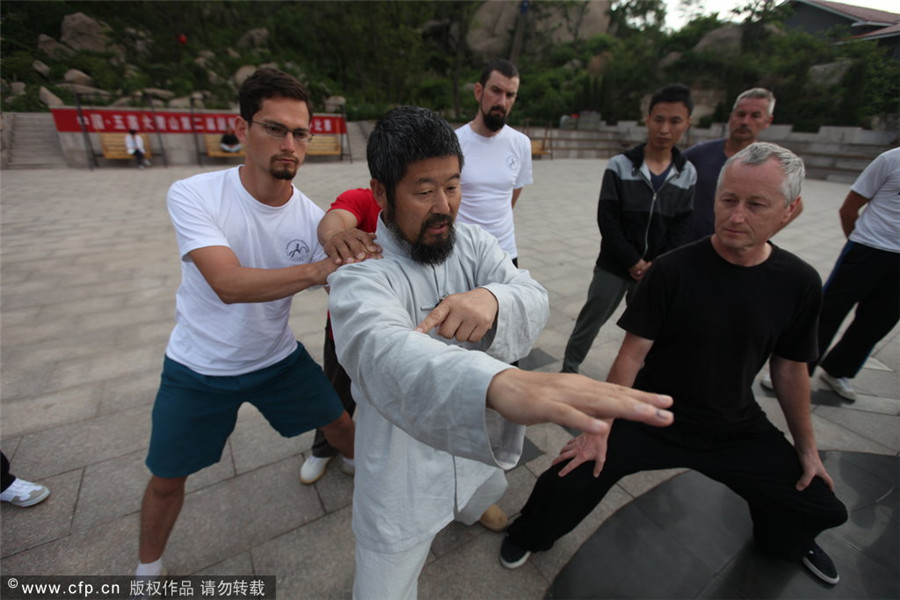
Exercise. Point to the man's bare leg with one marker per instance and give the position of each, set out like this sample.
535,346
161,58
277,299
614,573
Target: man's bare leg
339,434
162,503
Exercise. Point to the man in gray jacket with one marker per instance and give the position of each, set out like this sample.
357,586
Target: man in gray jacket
426,335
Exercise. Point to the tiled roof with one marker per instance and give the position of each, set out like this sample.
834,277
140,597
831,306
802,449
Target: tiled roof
883,32
858,13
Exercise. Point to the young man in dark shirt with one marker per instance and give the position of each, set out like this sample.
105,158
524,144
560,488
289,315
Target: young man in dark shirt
645,202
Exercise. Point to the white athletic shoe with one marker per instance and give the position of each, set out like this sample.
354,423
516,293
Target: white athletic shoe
313,468
24,493
840,385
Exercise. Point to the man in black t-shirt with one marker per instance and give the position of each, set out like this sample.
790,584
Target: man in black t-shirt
701,325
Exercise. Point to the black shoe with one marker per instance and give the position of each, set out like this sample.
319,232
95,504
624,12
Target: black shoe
821,565
511,556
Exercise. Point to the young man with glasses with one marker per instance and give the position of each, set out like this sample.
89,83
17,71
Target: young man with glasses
247,242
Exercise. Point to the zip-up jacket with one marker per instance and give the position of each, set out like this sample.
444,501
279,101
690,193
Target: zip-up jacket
636,222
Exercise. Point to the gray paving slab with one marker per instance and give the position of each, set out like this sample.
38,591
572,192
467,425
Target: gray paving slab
88,271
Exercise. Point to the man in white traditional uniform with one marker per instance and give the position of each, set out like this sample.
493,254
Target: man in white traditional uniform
498,158
426,335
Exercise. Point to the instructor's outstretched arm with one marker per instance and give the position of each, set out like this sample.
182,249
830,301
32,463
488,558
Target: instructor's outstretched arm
571,400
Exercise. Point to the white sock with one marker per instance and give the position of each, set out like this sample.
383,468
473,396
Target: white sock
348,461
151,569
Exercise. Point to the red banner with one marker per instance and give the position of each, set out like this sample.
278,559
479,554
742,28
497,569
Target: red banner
104,120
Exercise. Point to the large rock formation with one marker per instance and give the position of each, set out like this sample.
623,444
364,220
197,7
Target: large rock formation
493,29
81,32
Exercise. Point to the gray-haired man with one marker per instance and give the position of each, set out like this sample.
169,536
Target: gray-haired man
704,320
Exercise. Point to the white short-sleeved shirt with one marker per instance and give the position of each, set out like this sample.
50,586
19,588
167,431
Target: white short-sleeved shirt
879,224
494,167
213,209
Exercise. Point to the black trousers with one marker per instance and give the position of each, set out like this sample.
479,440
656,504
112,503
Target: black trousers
7,477
869,279
762,468
341,382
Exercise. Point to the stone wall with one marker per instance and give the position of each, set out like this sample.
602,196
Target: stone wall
832,153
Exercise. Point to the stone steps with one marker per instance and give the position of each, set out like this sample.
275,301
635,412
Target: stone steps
35,142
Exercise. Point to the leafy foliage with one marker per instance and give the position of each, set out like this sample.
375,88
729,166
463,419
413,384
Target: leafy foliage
381,53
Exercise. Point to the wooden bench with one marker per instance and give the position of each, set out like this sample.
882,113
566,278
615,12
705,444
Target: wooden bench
213,143
540,148
325,145
113,146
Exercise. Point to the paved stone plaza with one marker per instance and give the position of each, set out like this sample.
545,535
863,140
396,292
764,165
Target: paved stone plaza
89,271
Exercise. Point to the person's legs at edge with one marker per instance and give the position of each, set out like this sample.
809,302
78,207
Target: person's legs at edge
850,280
299,397
604,296
160,508
876,314
558,504
393,575
19,492
191,423
7,477
482,506
322,452
763,468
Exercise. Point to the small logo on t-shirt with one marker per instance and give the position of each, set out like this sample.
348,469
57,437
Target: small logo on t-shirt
297,251
513,163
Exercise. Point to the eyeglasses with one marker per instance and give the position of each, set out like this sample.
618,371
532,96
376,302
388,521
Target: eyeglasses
279,131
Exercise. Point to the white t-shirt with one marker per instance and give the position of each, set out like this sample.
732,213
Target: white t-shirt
879,224
134,142
214,209
494,167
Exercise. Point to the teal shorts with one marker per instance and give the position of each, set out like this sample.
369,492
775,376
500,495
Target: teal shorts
194,414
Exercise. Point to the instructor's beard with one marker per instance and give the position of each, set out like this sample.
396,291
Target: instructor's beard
434,253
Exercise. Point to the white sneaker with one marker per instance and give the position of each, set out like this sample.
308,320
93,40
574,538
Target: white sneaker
24,493
348,467
313,468
840,385
144,587
766,382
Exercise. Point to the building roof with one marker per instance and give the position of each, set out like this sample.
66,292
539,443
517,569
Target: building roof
880,23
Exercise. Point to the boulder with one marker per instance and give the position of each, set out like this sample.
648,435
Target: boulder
138,41
52,48
159,94
79,77
255,38
49,98
669,59
334,104
242,74
125,101
17,88
184,102
41,68
85,90
830,74
722,40
706,101
213,78
490,32
84,33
